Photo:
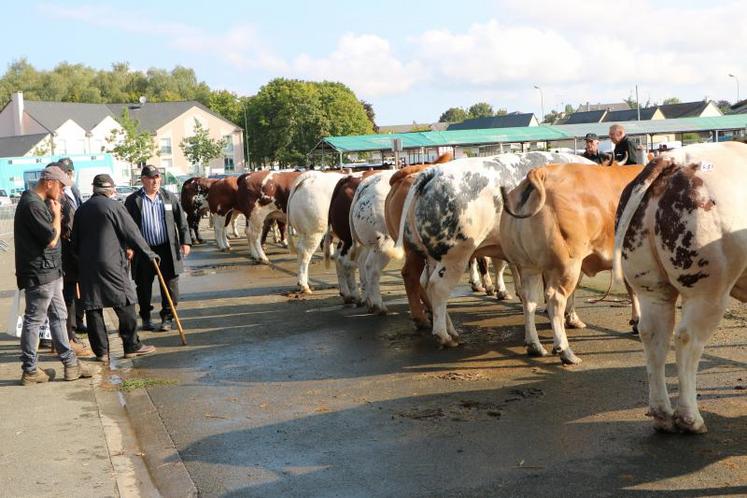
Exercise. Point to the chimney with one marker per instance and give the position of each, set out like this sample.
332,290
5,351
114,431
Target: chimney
17,110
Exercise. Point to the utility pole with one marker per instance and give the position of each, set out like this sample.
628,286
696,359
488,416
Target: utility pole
637,103
737,80
542,104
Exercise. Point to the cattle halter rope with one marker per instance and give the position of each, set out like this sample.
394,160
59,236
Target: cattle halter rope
165,289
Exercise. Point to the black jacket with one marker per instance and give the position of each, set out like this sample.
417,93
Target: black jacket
36,263
597,158
69,260
177,230
626,147
102,232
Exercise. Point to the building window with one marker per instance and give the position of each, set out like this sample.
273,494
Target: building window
166,164
165,146
228,145
228,164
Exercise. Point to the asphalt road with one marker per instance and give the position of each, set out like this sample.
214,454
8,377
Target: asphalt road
281,396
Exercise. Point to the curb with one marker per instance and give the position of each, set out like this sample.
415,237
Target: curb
163,461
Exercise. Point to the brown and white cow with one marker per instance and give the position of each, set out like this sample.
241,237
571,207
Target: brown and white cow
558,224
263,195
682,232
194,202
222,203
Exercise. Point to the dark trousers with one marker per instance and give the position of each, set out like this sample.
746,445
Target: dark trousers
98,337
144,284
74,309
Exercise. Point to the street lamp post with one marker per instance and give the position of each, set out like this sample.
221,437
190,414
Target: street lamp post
542,104
737,80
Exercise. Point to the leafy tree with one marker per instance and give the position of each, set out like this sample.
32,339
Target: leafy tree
671,100
453,115
371,115
480,110
569,109
724,106
287,118
200,149
130,143
553,117
633,104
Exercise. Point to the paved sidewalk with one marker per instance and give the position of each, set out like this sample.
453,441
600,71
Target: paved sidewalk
64,438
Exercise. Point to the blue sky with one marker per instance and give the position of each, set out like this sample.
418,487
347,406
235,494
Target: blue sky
410,59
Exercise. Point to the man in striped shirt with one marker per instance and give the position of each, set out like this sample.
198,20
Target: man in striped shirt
163,224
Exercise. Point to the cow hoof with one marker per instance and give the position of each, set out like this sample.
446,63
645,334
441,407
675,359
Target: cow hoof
536,349
349,300
634,327
574,322
663,421
422,324
490,290
477,288
382,310
568,358
448,342
302,289
690,424
503,295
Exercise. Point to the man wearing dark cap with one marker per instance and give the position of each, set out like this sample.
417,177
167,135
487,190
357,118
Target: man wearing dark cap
70,202
161,221
591,150
37,228
103,237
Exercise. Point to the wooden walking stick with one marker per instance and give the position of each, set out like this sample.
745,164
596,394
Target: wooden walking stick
171,303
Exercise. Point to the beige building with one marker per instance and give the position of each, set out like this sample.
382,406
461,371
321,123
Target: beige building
34,128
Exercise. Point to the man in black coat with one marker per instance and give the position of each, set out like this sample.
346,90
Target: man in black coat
162,223
103,236
623,146
591,149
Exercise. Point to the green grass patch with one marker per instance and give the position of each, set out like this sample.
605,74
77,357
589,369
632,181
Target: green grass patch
128,385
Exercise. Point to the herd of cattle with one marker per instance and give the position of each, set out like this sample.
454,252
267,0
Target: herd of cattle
676,228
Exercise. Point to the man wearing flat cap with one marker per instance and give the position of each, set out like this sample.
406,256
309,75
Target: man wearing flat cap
37,227
103,236
591,150
162,222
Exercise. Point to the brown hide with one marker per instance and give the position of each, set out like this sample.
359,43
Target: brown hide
222,196
254,190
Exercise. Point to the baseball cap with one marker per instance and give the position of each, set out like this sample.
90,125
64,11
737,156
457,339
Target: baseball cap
66,164
103,180
54,172
591,136
150,171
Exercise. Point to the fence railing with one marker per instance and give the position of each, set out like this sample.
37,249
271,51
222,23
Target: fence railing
7,213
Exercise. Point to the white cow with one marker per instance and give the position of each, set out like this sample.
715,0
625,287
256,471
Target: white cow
308,209
682,231
370,236
452,211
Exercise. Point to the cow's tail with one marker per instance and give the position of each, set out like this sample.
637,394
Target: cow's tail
398,250
327,246
355,247
630,201
528,198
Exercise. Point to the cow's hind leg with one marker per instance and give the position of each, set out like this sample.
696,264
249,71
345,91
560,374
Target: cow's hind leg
656,325
572,321
306,244
219,227
441,282
530,292
700,317
474,276
375,263
411,270
502,293
557,291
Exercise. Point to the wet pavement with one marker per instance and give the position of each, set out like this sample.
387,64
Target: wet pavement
278,395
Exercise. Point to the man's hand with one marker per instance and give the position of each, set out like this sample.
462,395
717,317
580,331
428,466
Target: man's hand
185,250
55,207
130,253
155,257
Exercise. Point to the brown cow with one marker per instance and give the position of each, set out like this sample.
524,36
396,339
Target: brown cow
262,195
194,202
222,203
560,223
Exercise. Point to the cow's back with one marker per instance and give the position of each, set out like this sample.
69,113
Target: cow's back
308,204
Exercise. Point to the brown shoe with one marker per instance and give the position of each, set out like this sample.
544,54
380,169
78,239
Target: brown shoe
81,350
142,351
38,376
77,371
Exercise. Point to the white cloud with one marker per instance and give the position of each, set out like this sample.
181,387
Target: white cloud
365,63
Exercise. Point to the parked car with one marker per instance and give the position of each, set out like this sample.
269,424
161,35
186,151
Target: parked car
5,198
123,191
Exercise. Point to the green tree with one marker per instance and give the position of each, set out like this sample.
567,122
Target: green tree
453,115
370,114
130,143
200,149
287,118
672,100
724,106
480,110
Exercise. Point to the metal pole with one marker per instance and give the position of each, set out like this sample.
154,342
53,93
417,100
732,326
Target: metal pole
737,80
246,142
542,104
